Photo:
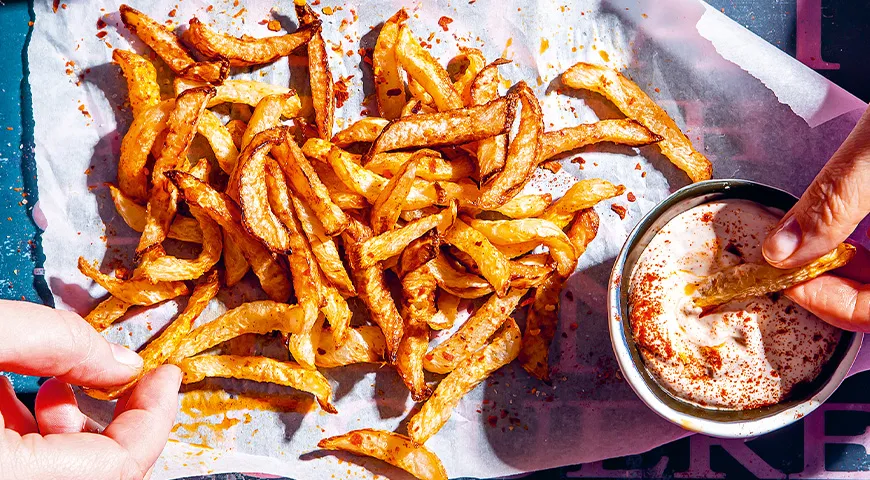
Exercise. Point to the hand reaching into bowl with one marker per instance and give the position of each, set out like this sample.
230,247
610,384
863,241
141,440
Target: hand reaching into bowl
827,213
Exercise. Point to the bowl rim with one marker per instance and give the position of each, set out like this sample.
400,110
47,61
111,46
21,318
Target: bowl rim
693,418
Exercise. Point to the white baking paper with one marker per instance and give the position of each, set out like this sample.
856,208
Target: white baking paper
755,112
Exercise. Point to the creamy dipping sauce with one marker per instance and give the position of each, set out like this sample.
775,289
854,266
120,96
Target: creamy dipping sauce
745,354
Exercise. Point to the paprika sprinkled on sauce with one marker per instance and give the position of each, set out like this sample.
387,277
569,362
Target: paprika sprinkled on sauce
741,355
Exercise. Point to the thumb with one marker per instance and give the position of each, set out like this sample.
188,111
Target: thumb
830,209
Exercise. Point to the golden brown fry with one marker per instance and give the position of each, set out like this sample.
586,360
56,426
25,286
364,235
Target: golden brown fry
365,130
447,313
220,139
166,45
635,104
583,229
185,229
162,205
141,77
418,253
476,62
363,344
379,248
430,165
324,249
622,131
257,215
494,266
248,92
543,232
445,128
140,138
168,268
307,185
541,321
391,200
583,194
339,193
522,154
157,351
221,208
237,130
388,79
259,369
107,313
421,66
395,449
525,206
474,333
234,261
754,280
418,308
259,317
322,86
419,93
491,152
503,349
267,115
457,283
245,51
372,289
137,290
303,345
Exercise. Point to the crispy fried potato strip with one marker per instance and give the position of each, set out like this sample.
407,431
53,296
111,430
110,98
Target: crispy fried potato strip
447,313
491,152
754,280
167,46
418,308
430,165
142,135
622,131
423,68
234,261
324,249
364,344
168,268
507,232
237,130
476,63
379,248
445,128
397,450
107,313
474,333
182,228
322,86
525,206
418,253
259,369
522,154
157,351
391,201
248,92
260,317
583,229
137,290
221,208
583,194
141,78
494,266
266,115
220,139
245,51
365,130
389,85
419,93
503,349
257,215
635,104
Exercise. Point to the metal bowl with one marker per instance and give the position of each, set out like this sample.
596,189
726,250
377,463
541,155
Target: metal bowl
715,422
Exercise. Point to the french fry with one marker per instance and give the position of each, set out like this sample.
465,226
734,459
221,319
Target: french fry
421,66
107,313
245,51
476,63
583,194
157,351
749,280
237,130
234,261
491,152
635,104
168,268
141,78
137,143
379,248
419,93
220,139
458,283
418,307
430,165
364,344
164,198
259,369
506,232
339,193
182,228
474,333
221,208
583,229
257,215
503,349
247,92
522,154
494,266
525,206
418,253
395,449
135,291
324,249
445,128
447,313
365,130
391,200
319,75
372,289
623,131
259,317
266,115
541,321
389,85
166,45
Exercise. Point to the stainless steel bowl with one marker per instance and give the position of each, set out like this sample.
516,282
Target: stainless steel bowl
719,423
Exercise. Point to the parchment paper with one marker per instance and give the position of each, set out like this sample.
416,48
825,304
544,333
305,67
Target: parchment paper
750,108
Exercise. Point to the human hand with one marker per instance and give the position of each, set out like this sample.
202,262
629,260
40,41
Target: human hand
827,213
61,442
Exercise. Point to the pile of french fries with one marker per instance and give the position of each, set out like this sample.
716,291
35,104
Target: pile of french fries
427,197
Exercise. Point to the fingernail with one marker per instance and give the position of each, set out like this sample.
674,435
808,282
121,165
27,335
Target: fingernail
126,356
784,241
